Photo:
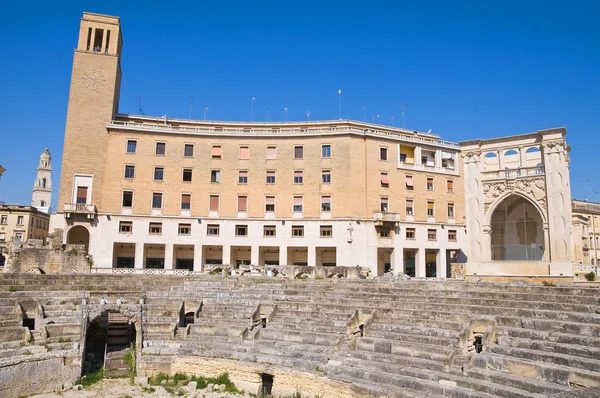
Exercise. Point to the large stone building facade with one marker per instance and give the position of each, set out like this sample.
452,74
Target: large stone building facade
155,194
146,192
586,232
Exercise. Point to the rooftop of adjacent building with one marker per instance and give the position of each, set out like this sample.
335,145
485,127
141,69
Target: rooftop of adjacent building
584,206
12,208
234,128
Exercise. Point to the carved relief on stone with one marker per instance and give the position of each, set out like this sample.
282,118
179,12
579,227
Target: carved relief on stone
472,156
532,188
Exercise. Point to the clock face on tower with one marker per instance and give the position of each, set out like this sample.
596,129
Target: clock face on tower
93,78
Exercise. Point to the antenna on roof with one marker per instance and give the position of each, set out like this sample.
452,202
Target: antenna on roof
364,112
140,111
392,117
205,111
340,104
429,131
268,110
285,114
403,107
307,115
589,198
191,103
597,197
252,107
378,115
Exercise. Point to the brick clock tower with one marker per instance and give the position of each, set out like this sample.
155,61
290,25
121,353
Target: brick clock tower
93,103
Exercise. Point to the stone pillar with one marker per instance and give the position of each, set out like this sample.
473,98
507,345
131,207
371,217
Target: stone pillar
254,255
312,256
397,259
418,156
168,256
226,254
420,263
558,196
501,162
522,159
283,258
438,159
477,248
440,262
198,258
139,256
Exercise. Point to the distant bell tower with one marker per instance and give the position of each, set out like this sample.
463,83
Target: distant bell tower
93,103
42,188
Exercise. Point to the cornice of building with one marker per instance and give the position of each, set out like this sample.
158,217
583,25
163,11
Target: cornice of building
270,129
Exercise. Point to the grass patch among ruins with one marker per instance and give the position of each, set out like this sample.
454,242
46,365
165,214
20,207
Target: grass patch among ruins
173,383
91,378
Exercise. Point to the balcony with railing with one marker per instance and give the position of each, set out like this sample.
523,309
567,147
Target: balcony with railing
386,217
86,209
510,174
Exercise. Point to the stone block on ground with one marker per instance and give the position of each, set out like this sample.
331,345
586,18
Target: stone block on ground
141,380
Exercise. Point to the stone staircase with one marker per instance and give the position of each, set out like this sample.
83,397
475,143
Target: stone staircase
117,345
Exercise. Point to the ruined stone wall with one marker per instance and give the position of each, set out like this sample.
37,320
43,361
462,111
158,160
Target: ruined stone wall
37,374
247,377
48,261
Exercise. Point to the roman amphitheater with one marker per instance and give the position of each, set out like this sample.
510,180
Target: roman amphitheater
329,337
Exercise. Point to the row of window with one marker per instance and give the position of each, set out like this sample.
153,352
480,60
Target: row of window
410,207
409,182
39,223
298,203
411,234
217,150
215,175
269,231
214,202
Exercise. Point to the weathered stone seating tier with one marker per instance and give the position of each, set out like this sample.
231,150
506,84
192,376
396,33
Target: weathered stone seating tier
416,338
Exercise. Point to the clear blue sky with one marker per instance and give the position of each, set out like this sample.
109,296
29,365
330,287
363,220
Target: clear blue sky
465,69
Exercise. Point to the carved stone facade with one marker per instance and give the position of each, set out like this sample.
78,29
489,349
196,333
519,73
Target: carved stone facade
530,170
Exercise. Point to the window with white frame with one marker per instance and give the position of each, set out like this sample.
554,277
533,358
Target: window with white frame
298,203
270,203
326,203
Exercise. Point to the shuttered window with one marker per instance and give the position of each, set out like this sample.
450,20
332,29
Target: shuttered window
242,203
186,201
214,202
297,203
216,152
81,195
271,152
244,152
298,152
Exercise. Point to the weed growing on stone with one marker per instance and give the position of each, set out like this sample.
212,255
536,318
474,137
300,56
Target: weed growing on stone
129,359
590,276
148,389
546,283
12,289
91,378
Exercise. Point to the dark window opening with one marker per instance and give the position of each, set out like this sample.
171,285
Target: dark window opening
263,322
184,263
266,384
98,33
125,262
189,318
478,344
29,323
89,39
107,41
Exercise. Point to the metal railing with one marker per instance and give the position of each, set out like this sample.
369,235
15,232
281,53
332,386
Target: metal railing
530,252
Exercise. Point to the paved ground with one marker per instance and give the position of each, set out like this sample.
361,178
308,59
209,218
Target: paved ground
122,388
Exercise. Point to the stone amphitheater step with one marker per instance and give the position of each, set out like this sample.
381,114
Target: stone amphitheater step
282,350
537,370
285,324
585,346
296,336
26,350
13,333
337,325
546,325
546,357
403,348
214,330
530,386
436,323
415,334
387,360
357,371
